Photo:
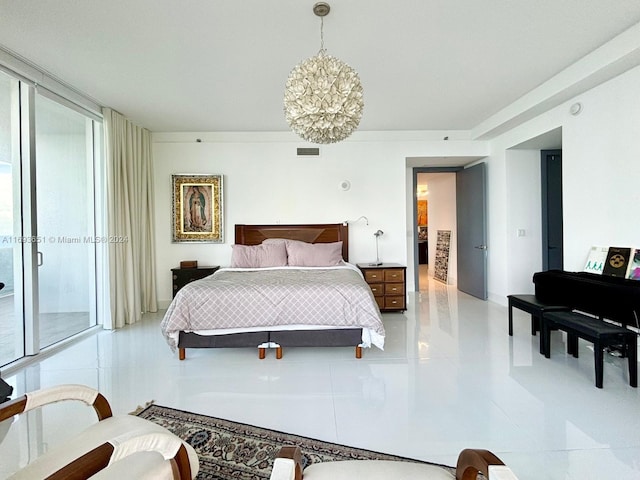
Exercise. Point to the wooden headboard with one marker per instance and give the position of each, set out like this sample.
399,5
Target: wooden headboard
310,233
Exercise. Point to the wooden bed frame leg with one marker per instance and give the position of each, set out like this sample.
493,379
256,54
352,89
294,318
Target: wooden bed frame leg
182,354
262,352
358,351
278,353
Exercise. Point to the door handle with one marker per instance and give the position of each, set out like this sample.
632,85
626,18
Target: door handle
40,259
481,247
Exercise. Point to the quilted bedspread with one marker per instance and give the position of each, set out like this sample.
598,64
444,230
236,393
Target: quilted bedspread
271,297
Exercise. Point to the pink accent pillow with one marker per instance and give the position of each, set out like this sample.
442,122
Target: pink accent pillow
303,254
259,256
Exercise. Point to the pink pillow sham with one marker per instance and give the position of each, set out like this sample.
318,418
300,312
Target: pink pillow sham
301,254
259,256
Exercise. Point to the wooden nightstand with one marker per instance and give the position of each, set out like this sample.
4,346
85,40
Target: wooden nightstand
181,276
387,282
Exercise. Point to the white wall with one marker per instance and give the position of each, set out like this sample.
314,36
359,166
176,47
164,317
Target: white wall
601,169
524,215
601,148
266,182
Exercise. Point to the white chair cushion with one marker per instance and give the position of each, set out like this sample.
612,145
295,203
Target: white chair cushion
501,472
94,436
141,466
374,470
283,469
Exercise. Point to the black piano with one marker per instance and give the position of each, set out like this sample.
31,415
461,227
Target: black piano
602,310
613,298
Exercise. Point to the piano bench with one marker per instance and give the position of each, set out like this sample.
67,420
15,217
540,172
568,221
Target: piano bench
599,332
533,306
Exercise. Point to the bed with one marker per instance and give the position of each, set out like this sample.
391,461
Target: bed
309,300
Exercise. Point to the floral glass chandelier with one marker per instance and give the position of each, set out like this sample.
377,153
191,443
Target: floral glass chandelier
323,96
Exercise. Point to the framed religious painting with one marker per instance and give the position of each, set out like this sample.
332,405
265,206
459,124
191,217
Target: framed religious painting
197,208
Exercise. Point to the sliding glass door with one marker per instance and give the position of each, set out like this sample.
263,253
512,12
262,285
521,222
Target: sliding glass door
11,324
48,151
65,221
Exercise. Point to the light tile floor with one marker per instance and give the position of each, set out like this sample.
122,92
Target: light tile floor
450,377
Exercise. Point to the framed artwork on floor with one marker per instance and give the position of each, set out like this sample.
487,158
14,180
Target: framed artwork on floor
441,272
197,208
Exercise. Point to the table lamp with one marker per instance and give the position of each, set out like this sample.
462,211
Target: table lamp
377,262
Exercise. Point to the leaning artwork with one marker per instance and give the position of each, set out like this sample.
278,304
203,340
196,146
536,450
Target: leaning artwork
197,208
442,255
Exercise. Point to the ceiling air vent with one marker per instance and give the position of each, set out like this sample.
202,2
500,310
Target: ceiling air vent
310,151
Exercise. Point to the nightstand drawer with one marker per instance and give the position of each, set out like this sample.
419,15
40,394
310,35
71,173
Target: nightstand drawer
377,289
394,303
394,276
373,276
394,288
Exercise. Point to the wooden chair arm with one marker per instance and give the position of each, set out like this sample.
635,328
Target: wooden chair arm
472,461
101,457
59,393
85,466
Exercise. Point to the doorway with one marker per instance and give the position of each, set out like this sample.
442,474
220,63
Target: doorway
435,190
525,218
446,206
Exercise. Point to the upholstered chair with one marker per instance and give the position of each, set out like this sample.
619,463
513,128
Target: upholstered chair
288,466
115,447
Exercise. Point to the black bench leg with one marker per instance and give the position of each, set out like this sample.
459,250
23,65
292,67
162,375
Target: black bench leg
545,339
572,345
535,324
510,319
632,352
598,358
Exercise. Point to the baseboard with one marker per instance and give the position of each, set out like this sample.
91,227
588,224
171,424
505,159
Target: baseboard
164,304
499,299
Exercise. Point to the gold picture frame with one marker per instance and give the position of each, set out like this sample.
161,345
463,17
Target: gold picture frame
197,208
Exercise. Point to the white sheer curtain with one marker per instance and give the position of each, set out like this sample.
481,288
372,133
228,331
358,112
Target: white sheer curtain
132,269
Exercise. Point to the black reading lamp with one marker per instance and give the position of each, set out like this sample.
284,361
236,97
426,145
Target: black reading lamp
5,389
377,262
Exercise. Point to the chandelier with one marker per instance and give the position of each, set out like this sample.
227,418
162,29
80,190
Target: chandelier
323,96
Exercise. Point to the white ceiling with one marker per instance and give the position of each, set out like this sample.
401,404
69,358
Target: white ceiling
221,65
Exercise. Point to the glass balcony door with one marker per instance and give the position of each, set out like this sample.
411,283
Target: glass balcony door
11,312
49,149
65,215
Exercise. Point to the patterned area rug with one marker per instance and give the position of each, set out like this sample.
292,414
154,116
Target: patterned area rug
230,450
